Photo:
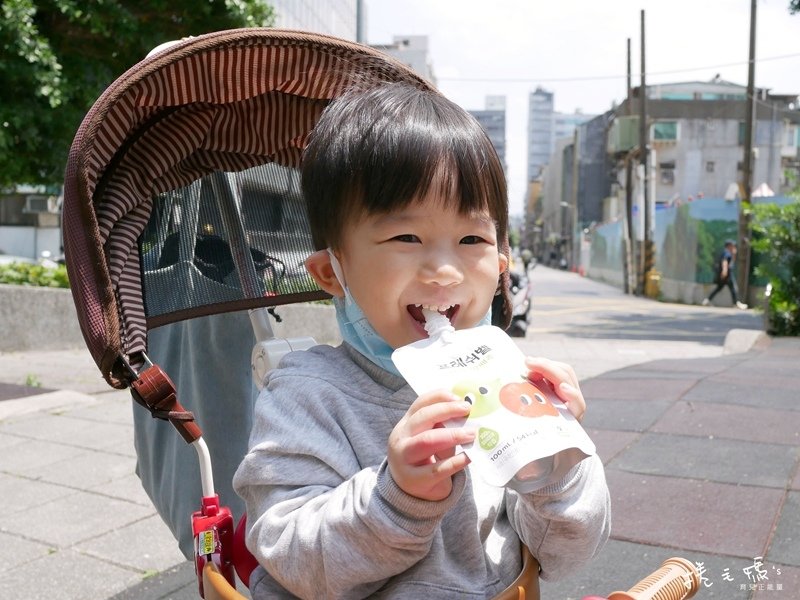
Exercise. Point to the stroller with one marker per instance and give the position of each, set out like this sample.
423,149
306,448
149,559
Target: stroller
182,200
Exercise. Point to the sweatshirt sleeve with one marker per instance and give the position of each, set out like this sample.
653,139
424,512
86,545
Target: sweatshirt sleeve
565,524
320,521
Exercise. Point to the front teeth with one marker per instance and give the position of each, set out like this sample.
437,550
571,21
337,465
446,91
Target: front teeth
439,309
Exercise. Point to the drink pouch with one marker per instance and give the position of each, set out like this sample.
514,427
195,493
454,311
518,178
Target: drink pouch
526,436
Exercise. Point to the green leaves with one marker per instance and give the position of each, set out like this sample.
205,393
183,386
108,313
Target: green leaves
776,237
34,274
59,56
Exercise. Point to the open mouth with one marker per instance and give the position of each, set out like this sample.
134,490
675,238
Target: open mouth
448,311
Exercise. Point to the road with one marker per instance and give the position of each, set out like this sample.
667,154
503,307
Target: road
597,328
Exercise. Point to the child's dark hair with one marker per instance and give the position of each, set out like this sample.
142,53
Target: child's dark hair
378,150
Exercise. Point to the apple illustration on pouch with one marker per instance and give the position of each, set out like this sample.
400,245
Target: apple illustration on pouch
526,400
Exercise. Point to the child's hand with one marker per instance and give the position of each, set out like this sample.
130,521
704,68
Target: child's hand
422,458
564,381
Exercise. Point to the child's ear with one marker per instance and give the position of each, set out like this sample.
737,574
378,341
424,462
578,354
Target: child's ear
502,261
320,268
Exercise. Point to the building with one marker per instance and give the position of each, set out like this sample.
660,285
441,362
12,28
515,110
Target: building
695,142
545,126
340,18
493,120
541,141
696,139
411,50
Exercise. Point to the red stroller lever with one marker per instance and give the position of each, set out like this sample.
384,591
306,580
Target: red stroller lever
212,527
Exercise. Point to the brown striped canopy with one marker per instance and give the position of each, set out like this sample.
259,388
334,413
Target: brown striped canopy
209,106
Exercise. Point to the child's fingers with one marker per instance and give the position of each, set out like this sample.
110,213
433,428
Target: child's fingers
428,416
573,399
564,382
441,441
552,370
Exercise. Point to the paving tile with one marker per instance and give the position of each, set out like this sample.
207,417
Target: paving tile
609,442
650,390
785,546
731,421
29,455
624,415
86,470
693,368
748,375
702,516
74,518
109,409
17,551
66,575
732,392
20,493
10,391
128,488
146,545
6,441
621,565
73,432
176,583
783,584
712,459
30,407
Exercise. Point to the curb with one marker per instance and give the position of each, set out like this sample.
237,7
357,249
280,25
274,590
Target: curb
744,340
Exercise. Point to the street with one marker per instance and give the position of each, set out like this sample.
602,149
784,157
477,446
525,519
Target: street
671,399
597,328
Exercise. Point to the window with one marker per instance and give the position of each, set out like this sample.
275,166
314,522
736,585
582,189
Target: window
710,166
792,140
664,131
667,172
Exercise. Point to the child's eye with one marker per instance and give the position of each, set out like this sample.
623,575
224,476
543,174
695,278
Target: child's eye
471,239
408,238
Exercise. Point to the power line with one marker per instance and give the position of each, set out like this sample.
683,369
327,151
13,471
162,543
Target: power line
605,77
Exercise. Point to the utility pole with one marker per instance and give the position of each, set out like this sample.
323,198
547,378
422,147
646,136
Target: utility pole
646,254
630,259
574,244
743,254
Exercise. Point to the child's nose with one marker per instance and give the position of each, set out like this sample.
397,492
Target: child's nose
442,269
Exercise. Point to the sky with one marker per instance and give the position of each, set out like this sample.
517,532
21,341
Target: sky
578,50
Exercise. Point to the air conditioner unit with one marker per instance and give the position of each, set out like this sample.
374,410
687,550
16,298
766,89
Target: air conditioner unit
623,135
35,203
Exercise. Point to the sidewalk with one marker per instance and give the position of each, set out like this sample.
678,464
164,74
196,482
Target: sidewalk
700,446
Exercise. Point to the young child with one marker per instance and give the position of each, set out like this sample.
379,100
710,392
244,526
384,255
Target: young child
352,487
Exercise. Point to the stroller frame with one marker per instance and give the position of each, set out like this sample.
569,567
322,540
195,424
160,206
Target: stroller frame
202,114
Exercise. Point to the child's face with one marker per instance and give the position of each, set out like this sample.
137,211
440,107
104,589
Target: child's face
422,255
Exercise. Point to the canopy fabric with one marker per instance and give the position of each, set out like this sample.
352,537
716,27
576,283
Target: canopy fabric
224,101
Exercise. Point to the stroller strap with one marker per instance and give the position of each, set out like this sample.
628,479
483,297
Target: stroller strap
154,390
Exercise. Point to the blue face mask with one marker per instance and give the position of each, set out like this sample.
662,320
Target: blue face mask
357,331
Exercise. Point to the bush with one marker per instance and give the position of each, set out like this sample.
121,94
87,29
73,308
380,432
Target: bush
18,273
776,237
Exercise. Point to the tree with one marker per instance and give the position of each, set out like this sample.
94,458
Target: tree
776,232
794,6
59,55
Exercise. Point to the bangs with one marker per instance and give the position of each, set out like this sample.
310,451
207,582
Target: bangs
388,147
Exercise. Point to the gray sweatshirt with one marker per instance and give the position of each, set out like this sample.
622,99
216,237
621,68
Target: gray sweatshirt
326,520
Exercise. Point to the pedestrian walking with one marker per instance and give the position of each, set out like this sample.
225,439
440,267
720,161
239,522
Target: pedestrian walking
724,275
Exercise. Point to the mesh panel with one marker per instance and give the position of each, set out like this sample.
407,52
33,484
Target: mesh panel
228,237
